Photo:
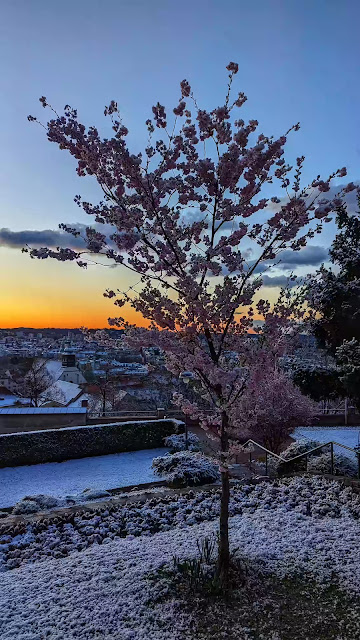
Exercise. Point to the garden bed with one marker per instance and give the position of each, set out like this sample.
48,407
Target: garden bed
81,580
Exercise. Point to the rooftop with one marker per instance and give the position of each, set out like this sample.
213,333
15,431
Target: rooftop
40,410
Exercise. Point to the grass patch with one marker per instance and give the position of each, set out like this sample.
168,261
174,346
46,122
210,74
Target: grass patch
259,606
272,609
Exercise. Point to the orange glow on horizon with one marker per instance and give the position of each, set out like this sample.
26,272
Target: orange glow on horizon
66,315
72,321
45,294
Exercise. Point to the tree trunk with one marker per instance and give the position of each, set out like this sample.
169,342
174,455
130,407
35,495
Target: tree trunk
223,551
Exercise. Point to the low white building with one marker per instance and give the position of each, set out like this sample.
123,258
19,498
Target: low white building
66,369
72,374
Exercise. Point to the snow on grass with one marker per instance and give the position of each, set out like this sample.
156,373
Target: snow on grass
105,591
73,476
349,436
101,593
62,535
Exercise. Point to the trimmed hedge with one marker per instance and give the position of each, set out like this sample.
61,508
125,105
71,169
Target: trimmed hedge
56,445
177,442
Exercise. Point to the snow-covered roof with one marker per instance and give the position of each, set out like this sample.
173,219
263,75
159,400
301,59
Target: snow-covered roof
61,391
40,410
54,368
80,426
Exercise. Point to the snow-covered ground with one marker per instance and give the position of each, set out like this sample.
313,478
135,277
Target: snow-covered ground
349,436
73,476
30,543
9,399
105,590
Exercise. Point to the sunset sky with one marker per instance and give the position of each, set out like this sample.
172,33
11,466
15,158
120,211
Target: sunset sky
297,61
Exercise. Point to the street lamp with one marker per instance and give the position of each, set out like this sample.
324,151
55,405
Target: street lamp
186,376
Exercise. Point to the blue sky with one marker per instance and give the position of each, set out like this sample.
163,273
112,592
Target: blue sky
298,61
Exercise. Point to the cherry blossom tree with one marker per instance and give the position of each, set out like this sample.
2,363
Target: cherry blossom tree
188,216
272,407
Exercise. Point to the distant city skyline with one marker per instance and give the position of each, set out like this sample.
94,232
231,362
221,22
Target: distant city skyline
297,61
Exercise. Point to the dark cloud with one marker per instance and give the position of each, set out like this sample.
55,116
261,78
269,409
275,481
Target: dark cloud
50,238
39,238
279,281
311,256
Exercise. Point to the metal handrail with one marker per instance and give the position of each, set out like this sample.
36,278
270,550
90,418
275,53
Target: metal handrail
106,414
345,447
321,446
301,455
263,448
305,454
